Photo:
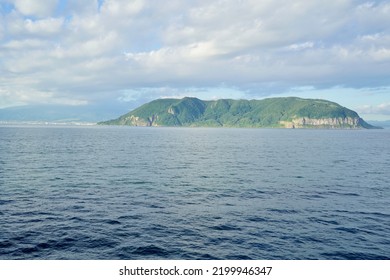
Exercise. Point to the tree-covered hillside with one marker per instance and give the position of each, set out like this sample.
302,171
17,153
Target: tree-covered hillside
290,112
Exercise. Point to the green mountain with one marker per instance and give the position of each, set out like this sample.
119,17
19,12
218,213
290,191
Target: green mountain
286,112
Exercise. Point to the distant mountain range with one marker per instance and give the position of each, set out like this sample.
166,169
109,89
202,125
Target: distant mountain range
385,124
61,113
285,112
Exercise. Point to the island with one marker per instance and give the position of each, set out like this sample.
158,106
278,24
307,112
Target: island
282,112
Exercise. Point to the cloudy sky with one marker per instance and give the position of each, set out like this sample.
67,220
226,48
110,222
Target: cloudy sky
79,52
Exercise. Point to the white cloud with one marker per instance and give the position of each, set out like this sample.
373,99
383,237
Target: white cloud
122,7
39,8
18,27
301,46
381,55
88,48
16,45
47,26
256,47
381,109
84,7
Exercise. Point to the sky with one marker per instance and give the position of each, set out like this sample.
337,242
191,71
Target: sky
79,52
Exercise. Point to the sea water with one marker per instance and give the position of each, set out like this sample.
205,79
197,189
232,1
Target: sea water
193,193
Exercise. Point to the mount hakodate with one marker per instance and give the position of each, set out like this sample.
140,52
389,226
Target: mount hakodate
284,112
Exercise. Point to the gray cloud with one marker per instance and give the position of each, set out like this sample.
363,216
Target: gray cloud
86,53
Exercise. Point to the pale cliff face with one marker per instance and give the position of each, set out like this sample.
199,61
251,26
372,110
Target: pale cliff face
134,121
137,121
303,122
325,123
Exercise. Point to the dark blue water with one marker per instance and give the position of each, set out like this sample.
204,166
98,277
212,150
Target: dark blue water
164,193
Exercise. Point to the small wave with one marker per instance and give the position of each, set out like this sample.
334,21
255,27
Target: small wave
206,257
312,239
131,217
104,243
112,222
29,250
155,206
312,196
56,179
258,219
77,219
354,256
188,233
238,257
261,246
6,244
86,243
217,196
47,245
151,250
283,211
322,221
378,214
140,182
339,161
293,239
5,201
77,207
342,193
225,228
65,243
349,230
375,172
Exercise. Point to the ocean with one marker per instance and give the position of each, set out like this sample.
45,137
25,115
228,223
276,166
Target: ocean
102,192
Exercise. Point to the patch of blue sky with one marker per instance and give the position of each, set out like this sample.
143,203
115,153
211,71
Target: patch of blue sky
61,7
6,8
100,3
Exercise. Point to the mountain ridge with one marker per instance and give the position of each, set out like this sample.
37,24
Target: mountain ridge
282,112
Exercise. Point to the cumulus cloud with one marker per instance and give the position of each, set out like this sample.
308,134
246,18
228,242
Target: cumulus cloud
95,50
38,8
122,7
381,109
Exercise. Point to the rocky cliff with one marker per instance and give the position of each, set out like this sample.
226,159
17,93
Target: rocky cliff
340,122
